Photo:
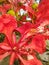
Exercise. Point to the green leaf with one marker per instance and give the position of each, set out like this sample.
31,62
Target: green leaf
16,14
0,13
47,44
35,5
19,3
2,0
2,37
45,56
18,35
45,63
11,12
16,62
37,54
18,17
5,61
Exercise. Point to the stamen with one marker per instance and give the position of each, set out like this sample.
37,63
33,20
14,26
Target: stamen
14,48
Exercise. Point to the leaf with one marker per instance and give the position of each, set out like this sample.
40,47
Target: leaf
2,0
47,44
45,56
19,3
18,35
37,55
11,12
2,37
5,61
16,62
0,13
45,63
34,6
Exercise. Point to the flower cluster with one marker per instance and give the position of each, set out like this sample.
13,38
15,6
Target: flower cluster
20,38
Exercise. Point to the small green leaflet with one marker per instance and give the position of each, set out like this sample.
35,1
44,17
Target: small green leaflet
2,36
47,44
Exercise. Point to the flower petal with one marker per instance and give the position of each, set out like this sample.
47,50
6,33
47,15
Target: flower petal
22,29
1,26
4,55
12,59
5,47
9,25
39,42
34,61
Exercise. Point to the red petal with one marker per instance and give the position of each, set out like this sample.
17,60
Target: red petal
8,18
1,26
29,9
33,62
27,36
29,62
5,47
39,43
9,27
14,38
8,35
7,6
4,55
2,51
2,10
12,59
46,37
22,29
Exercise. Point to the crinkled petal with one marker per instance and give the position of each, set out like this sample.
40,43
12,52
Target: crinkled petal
39,42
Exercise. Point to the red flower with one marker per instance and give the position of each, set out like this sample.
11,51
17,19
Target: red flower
43,12
17,49
7,24
29,40
38,43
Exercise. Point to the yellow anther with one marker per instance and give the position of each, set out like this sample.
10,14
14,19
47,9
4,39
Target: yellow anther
32,31
14,48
